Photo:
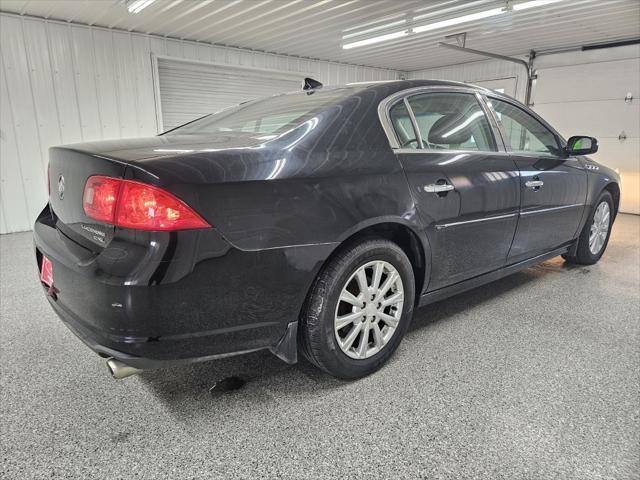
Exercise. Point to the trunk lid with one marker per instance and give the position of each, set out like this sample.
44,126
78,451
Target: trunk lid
150,148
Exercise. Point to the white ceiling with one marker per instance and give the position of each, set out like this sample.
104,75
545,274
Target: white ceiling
315,28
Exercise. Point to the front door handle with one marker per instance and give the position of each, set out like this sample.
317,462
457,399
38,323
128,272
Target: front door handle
438,188
534,183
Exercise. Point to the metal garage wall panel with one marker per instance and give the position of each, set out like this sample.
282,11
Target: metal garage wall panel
86,87
64,83
143,72
25,128
13,207
44,95
63,77
105,79
126,87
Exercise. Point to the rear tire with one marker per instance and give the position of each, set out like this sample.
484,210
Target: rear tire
349,326
594,237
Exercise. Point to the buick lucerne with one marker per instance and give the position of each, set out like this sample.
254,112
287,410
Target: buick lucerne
313,222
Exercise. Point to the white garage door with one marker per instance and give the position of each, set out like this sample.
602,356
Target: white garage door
189,90
589,99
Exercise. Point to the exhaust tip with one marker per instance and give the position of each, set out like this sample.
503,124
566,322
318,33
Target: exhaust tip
119,370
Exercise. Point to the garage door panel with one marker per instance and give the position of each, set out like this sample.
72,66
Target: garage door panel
621,155
600,119
593,81
190,90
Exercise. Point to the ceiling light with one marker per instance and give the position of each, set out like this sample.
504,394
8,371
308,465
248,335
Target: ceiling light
369,41
533,4
457,20
374,29
436,25
135,6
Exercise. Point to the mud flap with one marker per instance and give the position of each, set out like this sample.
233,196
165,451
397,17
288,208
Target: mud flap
287,347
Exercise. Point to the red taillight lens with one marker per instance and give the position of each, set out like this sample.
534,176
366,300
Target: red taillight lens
136,205
146,207
100,197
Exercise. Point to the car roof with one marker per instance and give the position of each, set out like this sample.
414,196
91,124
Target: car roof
390,87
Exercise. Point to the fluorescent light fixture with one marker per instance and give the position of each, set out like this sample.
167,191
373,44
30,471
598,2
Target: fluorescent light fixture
533,4
369,41
457,20
135,6
436,25
374,29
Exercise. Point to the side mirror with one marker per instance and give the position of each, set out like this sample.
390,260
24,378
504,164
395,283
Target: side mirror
581,145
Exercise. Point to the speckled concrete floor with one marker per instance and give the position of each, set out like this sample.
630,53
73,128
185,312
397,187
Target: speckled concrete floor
535,376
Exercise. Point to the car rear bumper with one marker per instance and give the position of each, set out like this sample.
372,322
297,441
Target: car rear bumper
154,299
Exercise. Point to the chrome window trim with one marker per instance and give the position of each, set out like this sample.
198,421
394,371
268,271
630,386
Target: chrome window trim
414,122
447,152
385,105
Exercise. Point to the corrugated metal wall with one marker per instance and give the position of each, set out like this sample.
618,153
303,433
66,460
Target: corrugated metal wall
65,83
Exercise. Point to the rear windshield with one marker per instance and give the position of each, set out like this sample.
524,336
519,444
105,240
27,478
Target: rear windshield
272,115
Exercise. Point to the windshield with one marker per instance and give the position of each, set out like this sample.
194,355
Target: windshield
272,115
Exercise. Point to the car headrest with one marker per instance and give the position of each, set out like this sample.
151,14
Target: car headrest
453,128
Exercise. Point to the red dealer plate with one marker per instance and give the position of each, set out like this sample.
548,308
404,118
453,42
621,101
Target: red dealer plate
46,273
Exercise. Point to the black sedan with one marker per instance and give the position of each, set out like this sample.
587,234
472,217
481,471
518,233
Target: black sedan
313,221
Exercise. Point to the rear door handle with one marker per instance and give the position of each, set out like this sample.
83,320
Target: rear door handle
534,183
437,188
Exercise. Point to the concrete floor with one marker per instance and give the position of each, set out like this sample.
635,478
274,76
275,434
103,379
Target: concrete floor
535,376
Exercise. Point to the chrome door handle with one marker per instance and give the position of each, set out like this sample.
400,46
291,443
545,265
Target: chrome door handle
534,183
437,188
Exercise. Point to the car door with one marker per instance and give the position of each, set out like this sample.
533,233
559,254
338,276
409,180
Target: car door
464,184
553,186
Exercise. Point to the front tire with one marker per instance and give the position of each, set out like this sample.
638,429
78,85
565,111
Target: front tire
595,235
358,310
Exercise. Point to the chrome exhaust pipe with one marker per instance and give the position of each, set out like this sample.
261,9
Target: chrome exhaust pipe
120,370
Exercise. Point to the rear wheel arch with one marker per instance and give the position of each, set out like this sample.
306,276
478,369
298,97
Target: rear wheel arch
402,235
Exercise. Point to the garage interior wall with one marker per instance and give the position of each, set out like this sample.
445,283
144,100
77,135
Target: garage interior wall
63,83
579,93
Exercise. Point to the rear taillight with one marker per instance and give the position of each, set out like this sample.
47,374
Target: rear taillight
136,205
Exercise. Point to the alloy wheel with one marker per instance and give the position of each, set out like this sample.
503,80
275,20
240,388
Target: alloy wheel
599,228
369,309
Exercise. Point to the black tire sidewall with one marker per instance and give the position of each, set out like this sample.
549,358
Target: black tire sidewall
332,358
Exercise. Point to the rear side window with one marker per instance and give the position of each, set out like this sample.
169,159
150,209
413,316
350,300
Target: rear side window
525,134
452,121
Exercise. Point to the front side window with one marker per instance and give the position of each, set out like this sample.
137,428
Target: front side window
524,133
451,121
